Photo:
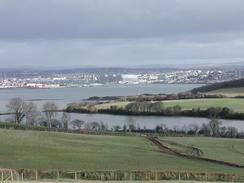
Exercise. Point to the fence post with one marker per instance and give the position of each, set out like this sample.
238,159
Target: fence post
58,176
179,176
75,175
12,176
2,175
18,176
131,176
22,176
36,175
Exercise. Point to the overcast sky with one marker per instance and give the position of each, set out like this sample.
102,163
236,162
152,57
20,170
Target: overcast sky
120,32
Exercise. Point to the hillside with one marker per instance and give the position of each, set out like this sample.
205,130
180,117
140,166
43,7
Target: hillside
217,86
223,149
56,150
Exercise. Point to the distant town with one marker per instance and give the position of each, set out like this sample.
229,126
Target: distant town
96,77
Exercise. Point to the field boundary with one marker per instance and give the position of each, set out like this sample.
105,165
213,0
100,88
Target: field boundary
37,175
165,149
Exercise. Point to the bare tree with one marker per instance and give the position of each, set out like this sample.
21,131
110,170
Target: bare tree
31,113
93,126
50,111
65,120
77,124
131,124
194,128
214,127
17,106
116,128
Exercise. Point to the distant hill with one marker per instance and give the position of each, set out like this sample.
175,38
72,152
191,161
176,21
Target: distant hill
218,86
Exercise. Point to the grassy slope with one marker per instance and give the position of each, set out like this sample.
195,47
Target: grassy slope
108,105
233,103
50,150
230,150
230,92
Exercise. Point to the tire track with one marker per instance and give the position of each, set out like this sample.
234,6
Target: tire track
167,150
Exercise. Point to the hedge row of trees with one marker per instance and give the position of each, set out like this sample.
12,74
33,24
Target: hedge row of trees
27,113
212,129
155,97
158,108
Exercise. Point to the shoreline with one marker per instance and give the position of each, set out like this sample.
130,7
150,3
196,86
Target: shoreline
145,114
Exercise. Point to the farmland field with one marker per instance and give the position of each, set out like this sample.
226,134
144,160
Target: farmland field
233,103
224,149
231,92
56,150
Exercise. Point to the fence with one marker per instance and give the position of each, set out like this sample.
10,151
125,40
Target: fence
28,175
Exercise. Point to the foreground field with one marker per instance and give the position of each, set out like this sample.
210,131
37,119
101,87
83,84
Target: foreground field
50,150
233,103
228,150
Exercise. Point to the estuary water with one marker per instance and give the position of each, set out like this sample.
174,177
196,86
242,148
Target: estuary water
63,96
150,122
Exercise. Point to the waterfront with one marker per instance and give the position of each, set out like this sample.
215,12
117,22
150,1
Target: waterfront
150,122
63,96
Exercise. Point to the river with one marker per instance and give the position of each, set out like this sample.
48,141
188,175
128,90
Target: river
63,96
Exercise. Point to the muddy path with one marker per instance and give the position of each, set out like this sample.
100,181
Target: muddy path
167,150
189,150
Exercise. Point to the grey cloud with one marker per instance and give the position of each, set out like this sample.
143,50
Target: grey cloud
59,19
114,52
120,32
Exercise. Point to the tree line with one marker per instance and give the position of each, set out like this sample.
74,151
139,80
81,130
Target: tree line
23,112
156,97
212,129
27,113
222,85
158,108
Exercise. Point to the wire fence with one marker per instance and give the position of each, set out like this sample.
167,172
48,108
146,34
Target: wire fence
21,175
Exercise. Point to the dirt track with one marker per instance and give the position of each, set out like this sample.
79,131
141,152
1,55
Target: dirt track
167,150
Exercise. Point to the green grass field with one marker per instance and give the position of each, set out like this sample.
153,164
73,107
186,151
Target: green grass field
236,104
224,149
230,92
233,103
108,105
56,150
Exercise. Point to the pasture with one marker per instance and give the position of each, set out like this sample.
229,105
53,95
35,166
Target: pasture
236,104
230,92
57,150
223,149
